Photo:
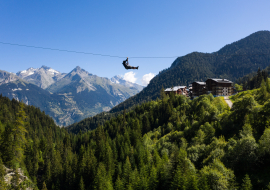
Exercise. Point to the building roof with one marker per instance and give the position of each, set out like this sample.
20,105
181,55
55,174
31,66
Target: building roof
221,80
174,88
168,90
200,83
177,87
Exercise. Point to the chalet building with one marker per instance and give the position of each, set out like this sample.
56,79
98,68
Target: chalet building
198,88
181,90
219,87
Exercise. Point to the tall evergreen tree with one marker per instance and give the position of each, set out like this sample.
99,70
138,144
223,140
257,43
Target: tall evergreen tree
259,78
81,185
44,186
18,132
267,83
119,184
246,184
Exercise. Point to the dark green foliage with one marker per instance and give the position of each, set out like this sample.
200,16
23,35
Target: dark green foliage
81,185
172,143
44,186
90,123
246,184
254,80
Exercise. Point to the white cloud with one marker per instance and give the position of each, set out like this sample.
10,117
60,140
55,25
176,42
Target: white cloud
146,78
130,76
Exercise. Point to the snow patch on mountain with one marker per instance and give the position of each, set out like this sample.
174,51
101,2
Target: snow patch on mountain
15,89
53,71
26,73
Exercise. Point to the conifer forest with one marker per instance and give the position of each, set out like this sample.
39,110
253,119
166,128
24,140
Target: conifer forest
170,143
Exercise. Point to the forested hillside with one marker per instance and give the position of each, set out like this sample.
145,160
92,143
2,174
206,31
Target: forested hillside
253,80
232,62
28,138
172,143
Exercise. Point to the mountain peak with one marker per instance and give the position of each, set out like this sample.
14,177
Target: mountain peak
79,70
45,67
76,69
6,77
42,77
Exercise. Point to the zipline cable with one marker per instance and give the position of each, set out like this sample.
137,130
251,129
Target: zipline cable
54,49
115,56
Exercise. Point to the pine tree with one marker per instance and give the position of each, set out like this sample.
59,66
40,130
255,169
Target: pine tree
259,78
126,172
263,90
180,179
44,186
48,172
246,184
153,178
203,183
146,125
162,94
18,132
267,85
6,145
119,184
81,185
102,181
193,183
176,182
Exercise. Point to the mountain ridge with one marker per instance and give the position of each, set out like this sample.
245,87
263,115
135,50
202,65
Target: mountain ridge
69,98
196,66
41,77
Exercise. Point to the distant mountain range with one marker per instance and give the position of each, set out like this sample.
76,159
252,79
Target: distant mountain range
41,77
231,62
67,98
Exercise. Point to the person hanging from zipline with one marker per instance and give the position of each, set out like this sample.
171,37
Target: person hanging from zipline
127,66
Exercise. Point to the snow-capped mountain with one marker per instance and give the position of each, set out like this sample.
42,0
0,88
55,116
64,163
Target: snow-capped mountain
67,98
42,77
120,80
26,73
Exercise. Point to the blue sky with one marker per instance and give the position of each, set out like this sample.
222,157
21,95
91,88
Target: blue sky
124,28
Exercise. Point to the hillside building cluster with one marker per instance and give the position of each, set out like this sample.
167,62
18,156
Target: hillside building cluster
217,87
181,90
